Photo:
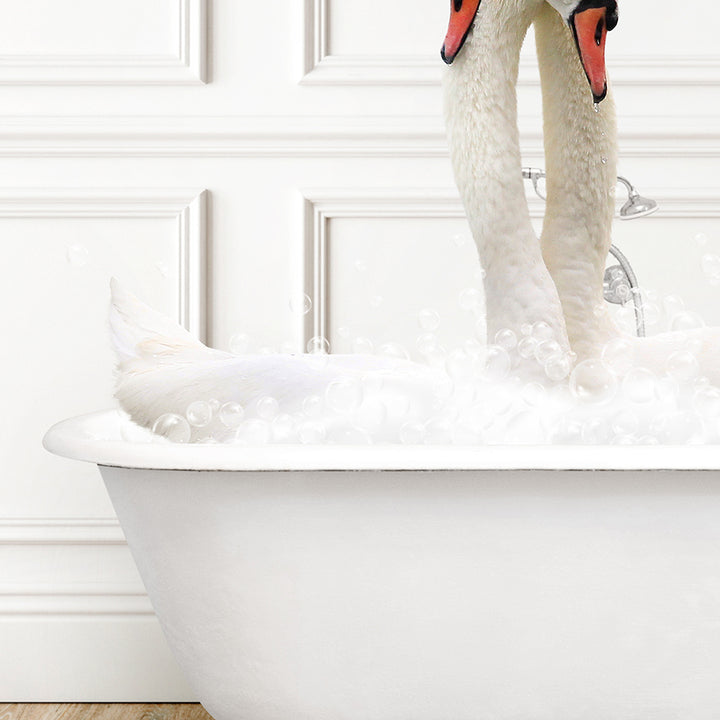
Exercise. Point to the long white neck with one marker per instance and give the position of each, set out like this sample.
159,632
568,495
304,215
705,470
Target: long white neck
581,166
481,118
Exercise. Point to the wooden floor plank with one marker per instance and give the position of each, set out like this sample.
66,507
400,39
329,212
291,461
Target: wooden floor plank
102,711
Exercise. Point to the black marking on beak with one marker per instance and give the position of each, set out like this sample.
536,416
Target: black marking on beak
611,6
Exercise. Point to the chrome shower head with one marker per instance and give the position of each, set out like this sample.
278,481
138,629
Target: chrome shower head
636,206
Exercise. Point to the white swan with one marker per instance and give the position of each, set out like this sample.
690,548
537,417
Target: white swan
581,165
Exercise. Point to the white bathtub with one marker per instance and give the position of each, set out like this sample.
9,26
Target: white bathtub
426,583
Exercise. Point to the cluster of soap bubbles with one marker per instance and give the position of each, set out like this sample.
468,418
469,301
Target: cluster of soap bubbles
481,399
518,386
535,346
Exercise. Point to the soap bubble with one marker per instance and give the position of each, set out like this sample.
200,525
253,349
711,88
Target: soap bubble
77,255
711,266
651,313
360,265
672,305
214,404
172,427
619,355
541,331
393,350
534,394
231,414
625,422
706,401
666,389
312,406
363,346
526,329
199,413
460,366
592,382
282,427
343,332
376,301
318,345
545,350
567,431
470,299
676,428
701,239
300,305
497,363
685,321
526,347
506,339
253,433
344,396
412,433
317,361
312,432
639,385
429,320
267,407
427,343
459,239
474,347
683,367
558,367
240,344
595,431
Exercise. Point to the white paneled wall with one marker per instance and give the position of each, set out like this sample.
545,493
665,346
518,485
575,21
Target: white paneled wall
222,157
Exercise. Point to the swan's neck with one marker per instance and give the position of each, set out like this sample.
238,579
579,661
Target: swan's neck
481,117
581,166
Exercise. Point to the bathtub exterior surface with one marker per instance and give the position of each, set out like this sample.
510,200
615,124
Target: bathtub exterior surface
445,594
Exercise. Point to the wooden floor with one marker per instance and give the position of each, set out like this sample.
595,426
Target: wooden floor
100,711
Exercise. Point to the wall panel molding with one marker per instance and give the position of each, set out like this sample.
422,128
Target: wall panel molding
654,136
324,68
61,531
324,204
186,66
187,207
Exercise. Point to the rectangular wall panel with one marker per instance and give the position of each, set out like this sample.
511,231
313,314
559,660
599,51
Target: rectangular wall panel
102,41
375,261
384,43
60,251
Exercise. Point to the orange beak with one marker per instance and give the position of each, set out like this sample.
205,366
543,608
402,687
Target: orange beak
462,14
590,30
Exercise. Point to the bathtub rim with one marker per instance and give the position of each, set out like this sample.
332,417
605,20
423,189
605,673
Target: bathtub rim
85,437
